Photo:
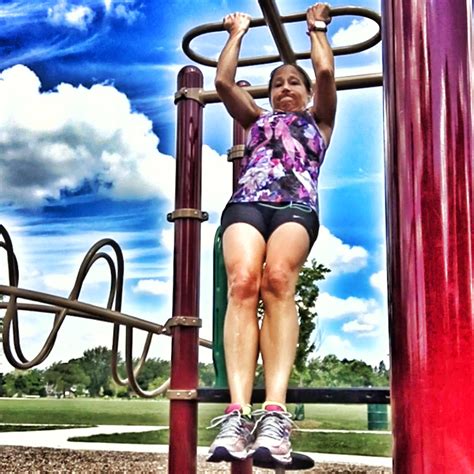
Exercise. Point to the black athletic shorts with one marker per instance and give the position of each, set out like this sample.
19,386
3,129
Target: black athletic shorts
266,217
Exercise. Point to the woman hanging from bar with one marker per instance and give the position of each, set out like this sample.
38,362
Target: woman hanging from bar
269,227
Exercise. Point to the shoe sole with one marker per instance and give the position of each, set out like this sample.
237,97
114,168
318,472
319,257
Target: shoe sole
264,458
222,454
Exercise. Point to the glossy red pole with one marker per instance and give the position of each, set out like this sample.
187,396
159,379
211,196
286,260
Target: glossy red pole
428,66
186,268
238,132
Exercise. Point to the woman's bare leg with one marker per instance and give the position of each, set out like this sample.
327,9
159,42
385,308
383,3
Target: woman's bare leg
287,250
244,253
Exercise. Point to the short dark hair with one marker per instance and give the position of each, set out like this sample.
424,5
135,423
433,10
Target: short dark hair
304,75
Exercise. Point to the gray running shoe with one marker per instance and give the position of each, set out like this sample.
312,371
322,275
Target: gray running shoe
234,439
272,442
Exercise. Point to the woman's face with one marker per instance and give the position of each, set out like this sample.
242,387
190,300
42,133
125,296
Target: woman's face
288,92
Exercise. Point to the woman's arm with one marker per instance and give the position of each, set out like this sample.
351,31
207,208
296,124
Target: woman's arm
325,98
238,102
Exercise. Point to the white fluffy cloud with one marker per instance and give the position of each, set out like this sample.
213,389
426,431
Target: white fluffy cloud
121,9
62,139
74,16
363,331
337,255
356,32
332,307
3,269
216,180
364,317
153,287
345,348
379,281
125,13
366,323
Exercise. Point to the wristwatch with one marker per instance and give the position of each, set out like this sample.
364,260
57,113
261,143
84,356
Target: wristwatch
319,25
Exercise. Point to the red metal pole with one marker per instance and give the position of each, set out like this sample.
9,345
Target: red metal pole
428,67
238,138
239,467
187,241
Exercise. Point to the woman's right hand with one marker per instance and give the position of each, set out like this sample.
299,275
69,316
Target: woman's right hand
237,23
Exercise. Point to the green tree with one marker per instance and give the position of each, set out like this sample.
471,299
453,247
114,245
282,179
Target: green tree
356,373
20,385
152,372
35,382
2,385
9,384
381,375
96,363
29,382
332,372
66,376
206,374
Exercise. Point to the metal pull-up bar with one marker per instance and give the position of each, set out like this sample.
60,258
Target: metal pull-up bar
275,23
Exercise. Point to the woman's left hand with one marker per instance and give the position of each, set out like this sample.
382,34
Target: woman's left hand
318,11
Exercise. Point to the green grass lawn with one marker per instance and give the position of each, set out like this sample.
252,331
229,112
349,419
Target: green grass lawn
84,411
155,412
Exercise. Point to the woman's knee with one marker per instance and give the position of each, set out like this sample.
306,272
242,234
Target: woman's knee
244,285
278,281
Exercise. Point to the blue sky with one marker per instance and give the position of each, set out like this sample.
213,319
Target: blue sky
87,138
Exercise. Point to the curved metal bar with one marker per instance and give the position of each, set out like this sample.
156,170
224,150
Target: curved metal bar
62,307
11,317
253,61
13,274
76,308
132,374
84,310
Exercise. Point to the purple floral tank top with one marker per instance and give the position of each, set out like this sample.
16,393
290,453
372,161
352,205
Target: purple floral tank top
284,151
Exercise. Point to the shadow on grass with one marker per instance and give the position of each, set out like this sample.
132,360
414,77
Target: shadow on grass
362,444
17,428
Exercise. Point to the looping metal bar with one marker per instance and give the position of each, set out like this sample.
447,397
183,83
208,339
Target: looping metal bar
62,307
298,17
187,213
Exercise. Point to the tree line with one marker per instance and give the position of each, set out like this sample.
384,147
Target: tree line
90,376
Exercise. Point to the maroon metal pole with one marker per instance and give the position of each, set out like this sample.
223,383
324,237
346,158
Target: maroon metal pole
184,352
239,467
238,136
428,82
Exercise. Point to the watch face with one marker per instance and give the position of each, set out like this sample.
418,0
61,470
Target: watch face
319,25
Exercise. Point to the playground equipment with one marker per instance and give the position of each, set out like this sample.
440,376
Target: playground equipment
191,96
428,100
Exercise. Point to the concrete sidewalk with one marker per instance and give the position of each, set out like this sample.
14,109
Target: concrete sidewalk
59,439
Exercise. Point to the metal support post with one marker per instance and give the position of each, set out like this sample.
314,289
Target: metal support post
186,268
428,67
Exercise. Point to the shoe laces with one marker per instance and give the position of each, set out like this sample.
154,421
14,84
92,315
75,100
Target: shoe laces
233,423
273,424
